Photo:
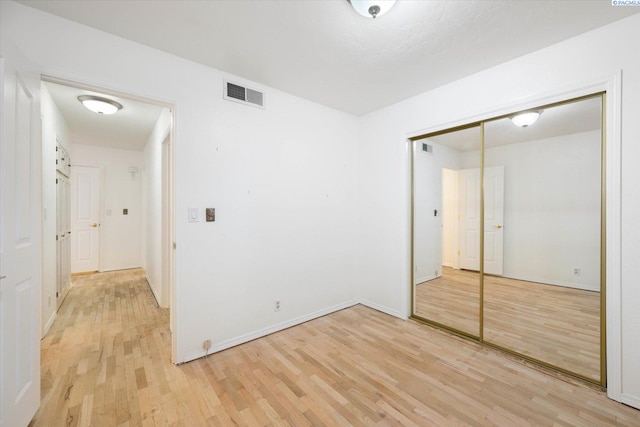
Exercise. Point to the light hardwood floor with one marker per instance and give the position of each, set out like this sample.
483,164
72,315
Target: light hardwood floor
105,362
554,324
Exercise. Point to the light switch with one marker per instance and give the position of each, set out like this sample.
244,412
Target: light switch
210,214
193,214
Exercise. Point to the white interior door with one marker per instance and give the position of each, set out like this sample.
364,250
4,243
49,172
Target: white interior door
20,242
469,196
63,238
85,219
493,220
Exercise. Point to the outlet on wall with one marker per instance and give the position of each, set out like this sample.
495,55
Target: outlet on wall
576,272
276,305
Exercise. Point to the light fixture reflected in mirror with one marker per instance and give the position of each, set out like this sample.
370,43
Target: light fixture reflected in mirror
372,8
100,105
526,119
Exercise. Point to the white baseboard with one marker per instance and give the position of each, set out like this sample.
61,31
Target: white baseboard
153,289
383,309
267,331
629,400
425,279
47,326
580,286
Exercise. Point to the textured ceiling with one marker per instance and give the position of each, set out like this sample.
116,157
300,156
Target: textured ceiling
322,50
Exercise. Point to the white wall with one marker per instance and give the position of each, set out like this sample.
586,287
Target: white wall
551,208
428,185
384,173
283,181
53,126
153,231
120,235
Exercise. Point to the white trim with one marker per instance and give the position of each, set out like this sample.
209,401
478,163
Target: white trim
561,283
384,309
425,279
47,326
613,205
629,400
268,330
561,94
153,290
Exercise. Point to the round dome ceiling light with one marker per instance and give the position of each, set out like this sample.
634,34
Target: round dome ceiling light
526,118
372,8
100,105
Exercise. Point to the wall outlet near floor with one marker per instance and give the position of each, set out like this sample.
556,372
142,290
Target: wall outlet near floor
206,344
276,305
576,272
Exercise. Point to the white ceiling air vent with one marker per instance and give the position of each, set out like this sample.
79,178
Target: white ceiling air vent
243,95
427,148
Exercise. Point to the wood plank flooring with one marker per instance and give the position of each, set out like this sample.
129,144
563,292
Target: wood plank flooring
554,324
105,362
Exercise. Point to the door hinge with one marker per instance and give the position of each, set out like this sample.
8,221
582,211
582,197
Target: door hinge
56,237
174,246
458,253
56,180
56,294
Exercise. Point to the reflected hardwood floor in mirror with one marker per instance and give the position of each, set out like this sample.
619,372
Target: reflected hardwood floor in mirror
105,362
554,324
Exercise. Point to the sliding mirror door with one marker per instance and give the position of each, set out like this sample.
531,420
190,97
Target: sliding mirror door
543,237
446,230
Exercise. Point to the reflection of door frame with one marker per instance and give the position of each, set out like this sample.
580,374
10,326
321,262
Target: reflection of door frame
450,212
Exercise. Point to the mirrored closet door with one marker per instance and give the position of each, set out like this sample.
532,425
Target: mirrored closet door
525,201
446,256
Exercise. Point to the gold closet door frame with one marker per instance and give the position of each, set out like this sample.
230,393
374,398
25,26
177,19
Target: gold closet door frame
603,235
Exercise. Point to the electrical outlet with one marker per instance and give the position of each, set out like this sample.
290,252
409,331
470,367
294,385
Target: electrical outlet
276,305
576,272
206,344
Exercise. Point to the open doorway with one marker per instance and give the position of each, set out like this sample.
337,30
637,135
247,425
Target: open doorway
120,202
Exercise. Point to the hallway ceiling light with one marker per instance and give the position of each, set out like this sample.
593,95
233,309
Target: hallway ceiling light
99,105
526,119
372,8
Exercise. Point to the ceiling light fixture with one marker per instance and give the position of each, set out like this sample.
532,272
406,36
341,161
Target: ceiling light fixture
526,118
372,8
99,105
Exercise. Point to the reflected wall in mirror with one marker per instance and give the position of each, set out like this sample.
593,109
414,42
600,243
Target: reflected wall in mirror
543,195
446,231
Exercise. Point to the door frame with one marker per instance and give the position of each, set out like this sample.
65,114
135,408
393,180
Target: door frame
173,318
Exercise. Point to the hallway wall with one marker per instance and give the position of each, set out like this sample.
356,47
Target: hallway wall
120,234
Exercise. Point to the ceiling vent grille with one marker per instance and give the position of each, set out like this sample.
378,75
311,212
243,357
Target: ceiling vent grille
427,148
243,95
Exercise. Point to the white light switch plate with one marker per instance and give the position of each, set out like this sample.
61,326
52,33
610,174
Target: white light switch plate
194,215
